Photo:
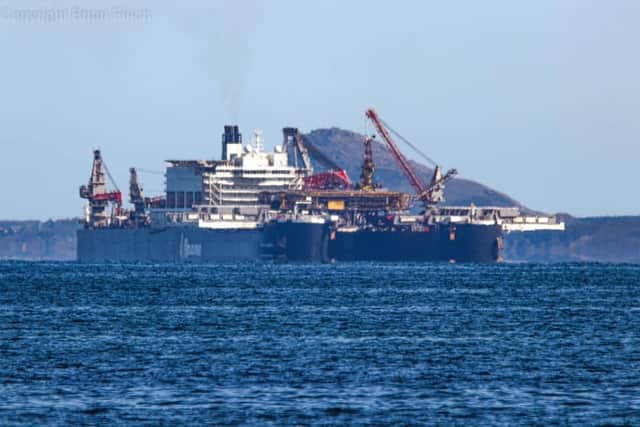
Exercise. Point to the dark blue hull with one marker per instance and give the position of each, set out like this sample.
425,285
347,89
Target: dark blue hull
460,243
290,241
303,241
171,244
286,241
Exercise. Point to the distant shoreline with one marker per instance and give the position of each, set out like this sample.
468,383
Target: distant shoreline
610,239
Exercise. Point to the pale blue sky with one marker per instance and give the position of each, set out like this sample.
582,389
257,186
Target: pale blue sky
539,99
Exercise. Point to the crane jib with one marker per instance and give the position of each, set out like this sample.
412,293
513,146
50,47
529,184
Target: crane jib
414,180
429,195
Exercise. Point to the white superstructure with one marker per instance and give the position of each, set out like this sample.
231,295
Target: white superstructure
225,193
236,182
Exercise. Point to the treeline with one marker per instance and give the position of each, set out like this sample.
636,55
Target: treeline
600,239
36,240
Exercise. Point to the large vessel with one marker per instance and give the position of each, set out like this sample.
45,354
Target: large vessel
258,205
210,211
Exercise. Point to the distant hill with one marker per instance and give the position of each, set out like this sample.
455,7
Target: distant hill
346,149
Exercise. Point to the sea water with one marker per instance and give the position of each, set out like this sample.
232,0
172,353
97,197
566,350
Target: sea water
360,343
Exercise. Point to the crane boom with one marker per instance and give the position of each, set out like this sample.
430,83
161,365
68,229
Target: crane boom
335,178
429,195
319,155
292,144
414,179
298,138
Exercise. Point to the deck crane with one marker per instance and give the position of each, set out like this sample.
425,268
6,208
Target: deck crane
293,139
431,194
368,166
98,196
137,199
334,178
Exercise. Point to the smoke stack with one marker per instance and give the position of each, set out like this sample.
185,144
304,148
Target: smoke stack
231,135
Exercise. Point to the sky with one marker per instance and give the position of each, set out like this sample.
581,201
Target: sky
537,99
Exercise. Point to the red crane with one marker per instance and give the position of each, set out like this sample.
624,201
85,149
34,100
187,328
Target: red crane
330,180
113,196
98,196
335,178
429,195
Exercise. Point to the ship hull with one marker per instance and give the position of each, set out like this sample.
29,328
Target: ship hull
303,241
289,241
171,244
459,243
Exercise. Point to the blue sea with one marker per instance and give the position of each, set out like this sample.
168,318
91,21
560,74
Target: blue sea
341,344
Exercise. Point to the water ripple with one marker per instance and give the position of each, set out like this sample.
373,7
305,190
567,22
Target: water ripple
335,344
